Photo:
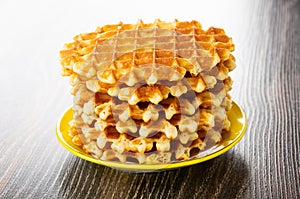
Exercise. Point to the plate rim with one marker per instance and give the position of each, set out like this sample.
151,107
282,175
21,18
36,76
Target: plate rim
149,167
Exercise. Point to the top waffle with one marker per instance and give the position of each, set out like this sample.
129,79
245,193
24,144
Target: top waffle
180,45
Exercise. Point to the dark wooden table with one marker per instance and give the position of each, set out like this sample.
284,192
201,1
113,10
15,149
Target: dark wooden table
265,164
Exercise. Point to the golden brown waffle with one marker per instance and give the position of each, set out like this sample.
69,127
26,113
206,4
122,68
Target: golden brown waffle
149,93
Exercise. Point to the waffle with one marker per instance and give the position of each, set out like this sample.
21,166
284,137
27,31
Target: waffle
149,93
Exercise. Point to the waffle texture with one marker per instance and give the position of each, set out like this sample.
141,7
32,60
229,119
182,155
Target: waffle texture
149,93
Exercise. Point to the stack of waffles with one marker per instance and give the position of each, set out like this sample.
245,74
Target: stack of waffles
149,93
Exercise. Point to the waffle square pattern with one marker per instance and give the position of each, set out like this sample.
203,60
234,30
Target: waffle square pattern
149,93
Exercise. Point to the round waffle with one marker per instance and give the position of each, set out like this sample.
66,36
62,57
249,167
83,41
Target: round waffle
149,93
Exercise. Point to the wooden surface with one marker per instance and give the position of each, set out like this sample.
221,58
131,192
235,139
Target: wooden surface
265,164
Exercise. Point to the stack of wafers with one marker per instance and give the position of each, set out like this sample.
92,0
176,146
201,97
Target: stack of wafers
149,93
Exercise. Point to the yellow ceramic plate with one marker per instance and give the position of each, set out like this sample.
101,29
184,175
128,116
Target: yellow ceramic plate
236,116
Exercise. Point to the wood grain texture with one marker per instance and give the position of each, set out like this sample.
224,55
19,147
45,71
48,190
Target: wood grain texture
265,164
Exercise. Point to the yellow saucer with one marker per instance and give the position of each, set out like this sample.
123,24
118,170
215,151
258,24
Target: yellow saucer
236,116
